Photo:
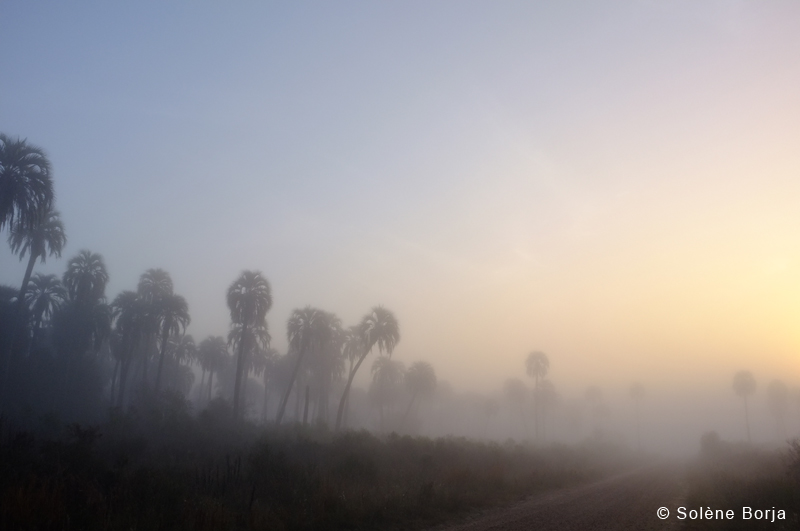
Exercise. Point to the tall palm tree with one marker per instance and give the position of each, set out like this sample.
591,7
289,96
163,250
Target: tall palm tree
420,380
637,393
26,187
173,316
744,384
249,299
44,296
536,365
377,328
154,287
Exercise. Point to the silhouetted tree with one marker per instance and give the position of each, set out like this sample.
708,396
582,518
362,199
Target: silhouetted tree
420,380
212,352
249,299
173,317
536,365
387,375
130,314
26,187
744,384
45,295
254,339
379,327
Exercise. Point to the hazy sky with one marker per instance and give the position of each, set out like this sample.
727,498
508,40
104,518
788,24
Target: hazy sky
614,183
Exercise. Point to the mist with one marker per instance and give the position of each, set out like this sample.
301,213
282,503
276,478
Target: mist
425,196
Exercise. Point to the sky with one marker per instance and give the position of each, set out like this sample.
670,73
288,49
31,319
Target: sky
615,184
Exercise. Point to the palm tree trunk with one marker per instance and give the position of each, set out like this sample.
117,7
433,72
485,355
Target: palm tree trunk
346,392
239,368
289,389
164,339
17,317
210,381
408,409
305,408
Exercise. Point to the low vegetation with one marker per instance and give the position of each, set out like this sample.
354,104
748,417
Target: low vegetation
156,466
734,476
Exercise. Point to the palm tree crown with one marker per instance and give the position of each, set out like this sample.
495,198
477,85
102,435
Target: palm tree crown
26,187
379,327
41,239
249,298
86,277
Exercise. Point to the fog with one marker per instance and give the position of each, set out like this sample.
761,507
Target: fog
614,186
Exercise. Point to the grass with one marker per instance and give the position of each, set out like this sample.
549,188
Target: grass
159,468
730,476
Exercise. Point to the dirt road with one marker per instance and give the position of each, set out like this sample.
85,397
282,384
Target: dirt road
626,502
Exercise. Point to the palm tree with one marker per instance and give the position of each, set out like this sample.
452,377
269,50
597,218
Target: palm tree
536,365
254,339
26,187
387,376
420,380
173,316
744,384
379,327
39,240
778,397
212,352
303,332
86,278
44,296
130,314
249,300
637,393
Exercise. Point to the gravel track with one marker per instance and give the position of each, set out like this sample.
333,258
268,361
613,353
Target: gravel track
625,502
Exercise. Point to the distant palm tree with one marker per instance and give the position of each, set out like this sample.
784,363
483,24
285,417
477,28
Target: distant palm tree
44,296
173,317
637,394
420,380
304,330
26,187
212,351
154,287
379,327
744,384
778,398
130,315
86,278
387,376
249,299
536,365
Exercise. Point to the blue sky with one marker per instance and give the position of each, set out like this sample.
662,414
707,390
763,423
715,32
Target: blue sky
612,183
